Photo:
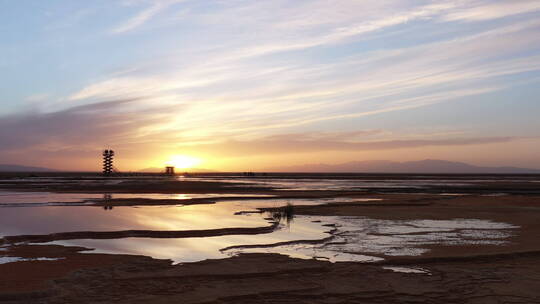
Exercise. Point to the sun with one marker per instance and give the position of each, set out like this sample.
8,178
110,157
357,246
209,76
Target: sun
183,161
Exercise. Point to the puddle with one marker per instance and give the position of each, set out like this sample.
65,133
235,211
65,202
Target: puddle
201,248
54,219
417,270
367,240
410,238
331,238
308,251
46,220
5,260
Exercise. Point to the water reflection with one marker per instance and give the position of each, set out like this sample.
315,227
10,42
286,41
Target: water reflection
31,199
330,238
195,249
107,205
55,219
282,214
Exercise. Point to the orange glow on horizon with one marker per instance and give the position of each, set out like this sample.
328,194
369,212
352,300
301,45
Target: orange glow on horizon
183,161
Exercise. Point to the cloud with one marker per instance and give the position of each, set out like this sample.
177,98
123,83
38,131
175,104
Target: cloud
293,144
326,136
37,97
87,126
493,10
230,75
249,97
142,17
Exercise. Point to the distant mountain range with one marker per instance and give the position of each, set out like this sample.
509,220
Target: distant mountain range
422,166
373,166
18,168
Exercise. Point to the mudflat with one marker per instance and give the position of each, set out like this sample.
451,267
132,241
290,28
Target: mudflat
482,269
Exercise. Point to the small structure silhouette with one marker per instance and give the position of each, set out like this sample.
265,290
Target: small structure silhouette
108,161
169,170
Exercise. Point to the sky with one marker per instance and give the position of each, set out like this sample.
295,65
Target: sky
236,85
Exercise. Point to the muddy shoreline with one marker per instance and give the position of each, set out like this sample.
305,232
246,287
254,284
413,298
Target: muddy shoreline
474,273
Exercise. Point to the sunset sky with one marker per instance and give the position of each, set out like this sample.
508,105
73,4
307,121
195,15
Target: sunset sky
238,85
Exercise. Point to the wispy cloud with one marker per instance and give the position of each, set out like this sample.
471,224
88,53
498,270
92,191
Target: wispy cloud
232,75
293,144
155,7
492,10
357,86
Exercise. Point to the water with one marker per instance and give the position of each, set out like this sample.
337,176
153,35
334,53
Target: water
23,198
308,184
201,248
331,238
5,260
54,219
416,270
367,240
46,220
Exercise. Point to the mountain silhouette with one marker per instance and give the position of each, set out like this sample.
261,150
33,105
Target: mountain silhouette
422,166
19,168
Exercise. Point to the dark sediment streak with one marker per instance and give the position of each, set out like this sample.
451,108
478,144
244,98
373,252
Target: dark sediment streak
135,233
150,202
316,241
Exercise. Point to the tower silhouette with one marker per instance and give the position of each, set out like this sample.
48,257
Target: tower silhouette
108,161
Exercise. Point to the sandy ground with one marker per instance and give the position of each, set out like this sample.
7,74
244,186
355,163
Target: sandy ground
457,274
267,278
